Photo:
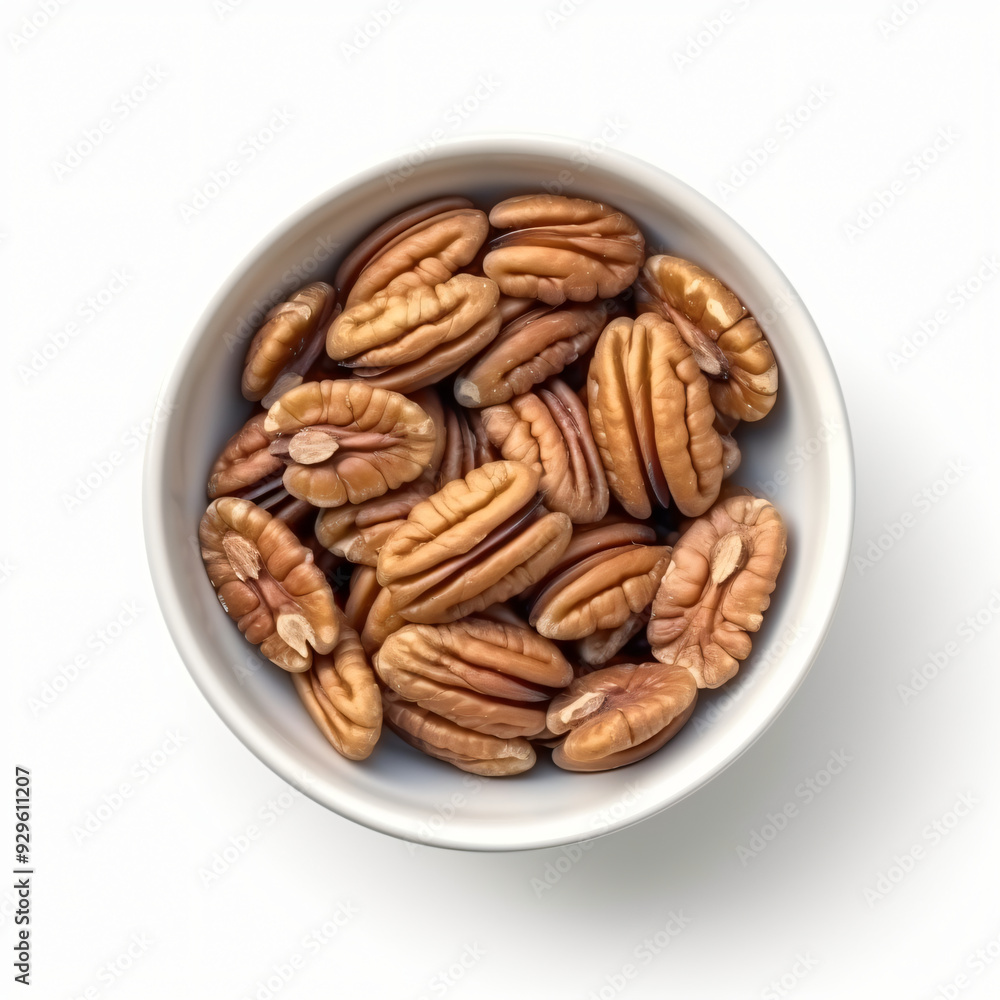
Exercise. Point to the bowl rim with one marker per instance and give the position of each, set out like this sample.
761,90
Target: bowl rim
644,175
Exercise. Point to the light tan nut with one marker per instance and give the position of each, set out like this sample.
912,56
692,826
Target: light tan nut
245,460
479,753
652,417
341,695
345,441
725,338
602,591
410,318
530,348
477,541
389,232
620,714
562,248
717,587
289,342
268,583
483,675
431,251
549,430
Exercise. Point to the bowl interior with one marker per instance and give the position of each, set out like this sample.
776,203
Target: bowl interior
799,457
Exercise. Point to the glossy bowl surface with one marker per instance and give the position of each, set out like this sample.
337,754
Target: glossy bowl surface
799,456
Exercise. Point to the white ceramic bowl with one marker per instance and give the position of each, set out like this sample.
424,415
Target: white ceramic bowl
800,456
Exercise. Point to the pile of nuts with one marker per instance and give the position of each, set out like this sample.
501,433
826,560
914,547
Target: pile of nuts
485,496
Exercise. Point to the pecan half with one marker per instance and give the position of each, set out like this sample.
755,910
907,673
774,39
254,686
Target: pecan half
346,441
620,714
717,587
725,338
409,318
530,348
434,365
600,592
431,251
470,751
477,541
390,230
652,417
562,248
550,431
268,583
340,694
481,674
244,461
288,344
357,531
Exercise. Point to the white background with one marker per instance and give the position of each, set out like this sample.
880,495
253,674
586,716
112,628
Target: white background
878,201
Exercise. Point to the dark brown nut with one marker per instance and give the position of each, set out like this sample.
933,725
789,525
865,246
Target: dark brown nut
620,714
483,675
550,431
532,347
348,442
410,318
289,342
652,417
717,587
470,751
477,541
601,591
370,247
341,695
726,340
357,531
268,583
245,460
430,251
563,248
